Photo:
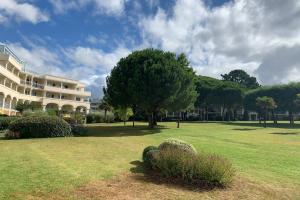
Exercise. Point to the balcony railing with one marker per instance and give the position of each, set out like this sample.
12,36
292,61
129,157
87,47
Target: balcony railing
5,50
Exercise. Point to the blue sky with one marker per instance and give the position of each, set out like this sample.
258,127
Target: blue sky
83,39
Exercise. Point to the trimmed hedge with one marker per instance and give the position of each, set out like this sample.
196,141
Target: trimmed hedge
177,144
190,167
5,122
38,127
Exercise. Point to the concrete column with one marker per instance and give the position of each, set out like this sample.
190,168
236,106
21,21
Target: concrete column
61,85
44,107
6,65
9,111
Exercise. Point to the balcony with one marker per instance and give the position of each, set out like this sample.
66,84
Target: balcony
9,74
66,91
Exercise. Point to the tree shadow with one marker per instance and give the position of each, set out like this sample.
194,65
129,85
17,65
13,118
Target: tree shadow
143,174
244,129
121,131
269,125
285,133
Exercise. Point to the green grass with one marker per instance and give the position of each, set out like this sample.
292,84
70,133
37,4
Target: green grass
32,166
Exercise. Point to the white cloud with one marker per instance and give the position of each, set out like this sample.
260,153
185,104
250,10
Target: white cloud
95,58
111,7
239,34
89,65
21,11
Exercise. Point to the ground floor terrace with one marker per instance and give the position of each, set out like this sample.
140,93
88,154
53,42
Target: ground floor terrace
8,103
107,163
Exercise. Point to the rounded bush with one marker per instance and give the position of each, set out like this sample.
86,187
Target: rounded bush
151,158
148,156
177,144
5,122
38,127
197,169
148,148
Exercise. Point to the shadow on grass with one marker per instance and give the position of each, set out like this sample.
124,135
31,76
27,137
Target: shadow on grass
258,125
122,131
285,133
145,175
244,129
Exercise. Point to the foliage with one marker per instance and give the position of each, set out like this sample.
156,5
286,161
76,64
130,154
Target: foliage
123,113
5,122
265,103
284,95
177,144
194,168
79,130
242,78
38,127
22,106
37,113
151,80
99,117
147,157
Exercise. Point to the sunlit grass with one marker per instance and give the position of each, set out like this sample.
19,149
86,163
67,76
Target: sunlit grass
270,155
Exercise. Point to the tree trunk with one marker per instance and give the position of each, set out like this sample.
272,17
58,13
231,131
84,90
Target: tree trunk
150,121
291,117
105,115
124,123
206,113
133,119
274,117
265,119
178,120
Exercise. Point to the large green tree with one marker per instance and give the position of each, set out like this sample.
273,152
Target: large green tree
265,104
228,96
205,86
152,80
104,105
242,78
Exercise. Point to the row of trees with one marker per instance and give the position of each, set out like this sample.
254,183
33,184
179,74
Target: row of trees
152,81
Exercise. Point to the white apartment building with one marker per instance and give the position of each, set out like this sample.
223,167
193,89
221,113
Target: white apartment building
51,92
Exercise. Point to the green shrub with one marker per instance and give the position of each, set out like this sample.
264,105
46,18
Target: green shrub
194,168
5,122
38,127
99,117
177,144
79,130
37,113
151,158
146,156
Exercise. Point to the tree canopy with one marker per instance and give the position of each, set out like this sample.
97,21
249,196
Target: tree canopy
152,80
242,78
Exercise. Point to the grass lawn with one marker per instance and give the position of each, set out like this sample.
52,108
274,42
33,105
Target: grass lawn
266,159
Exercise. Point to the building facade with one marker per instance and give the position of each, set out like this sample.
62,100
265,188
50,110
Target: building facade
50,92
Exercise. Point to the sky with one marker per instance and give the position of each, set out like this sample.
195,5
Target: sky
84,39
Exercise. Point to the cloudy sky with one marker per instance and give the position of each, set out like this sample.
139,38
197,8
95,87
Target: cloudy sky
83,39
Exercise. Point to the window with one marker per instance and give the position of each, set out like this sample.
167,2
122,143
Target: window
77,98
52,96
62,97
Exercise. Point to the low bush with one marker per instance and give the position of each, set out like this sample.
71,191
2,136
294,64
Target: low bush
99,117
37,113
38,127
79,130
179,163
5,122
177,144
146,156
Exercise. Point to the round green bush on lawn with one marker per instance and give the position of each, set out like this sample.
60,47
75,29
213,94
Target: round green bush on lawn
148,148
177,144
38,127
5,122
148,156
